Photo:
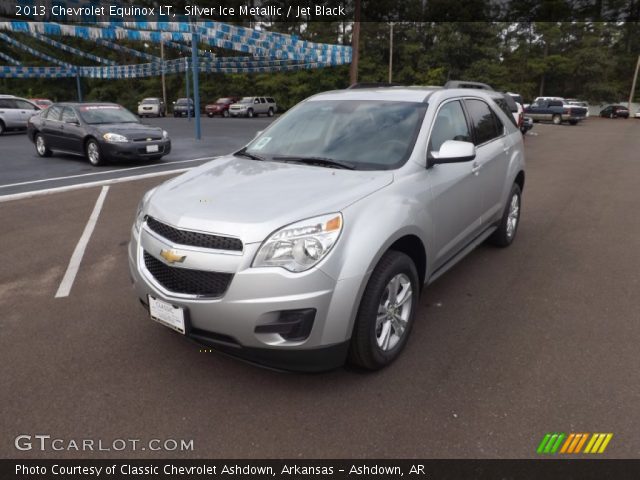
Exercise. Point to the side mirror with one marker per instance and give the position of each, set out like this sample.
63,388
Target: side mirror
452,151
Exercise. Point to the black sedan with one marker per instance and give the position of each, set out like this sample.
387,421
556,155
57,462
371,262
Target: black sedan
98,131
615,111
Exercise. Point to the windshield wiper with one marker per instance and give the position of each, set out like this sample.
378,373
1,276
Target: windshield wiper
320,161
243,153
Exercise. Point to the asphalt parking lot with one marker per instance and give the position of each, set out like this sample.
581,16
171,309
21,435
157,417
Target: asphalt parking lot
509,345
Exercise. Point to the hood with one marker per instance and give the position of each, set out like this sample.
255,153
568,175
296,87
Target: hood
133,130
250,199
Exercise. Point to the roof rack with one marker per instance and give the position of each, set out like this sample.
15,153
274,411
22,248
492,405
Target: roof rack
466,84
372,85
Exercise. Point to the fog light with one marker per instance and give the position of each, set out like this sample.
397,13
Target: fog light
294,325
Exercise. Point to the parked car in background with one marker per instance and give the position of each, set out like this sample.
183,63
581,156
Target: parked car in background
41,102
553,109
614,111
183,107
311,245
637,115
578,103
15,112
152,107
252,106
527,124
98,131
220,107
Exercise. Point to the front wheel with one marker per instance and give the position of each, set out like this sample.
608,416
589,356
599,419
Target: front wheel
556,119
508,226
93,153
250,113
41,146
225,113
386,312
270,112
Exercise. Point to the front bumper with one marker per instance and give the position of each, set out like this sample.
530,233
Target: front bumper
135,150
238,113
254,299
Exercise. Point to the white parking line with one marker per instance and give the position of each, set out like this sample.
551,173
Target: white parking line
79,186
30,182
76,258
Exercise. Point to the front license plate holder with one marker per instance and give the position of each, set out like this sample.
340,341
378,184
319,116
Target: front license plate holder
152,148
168,315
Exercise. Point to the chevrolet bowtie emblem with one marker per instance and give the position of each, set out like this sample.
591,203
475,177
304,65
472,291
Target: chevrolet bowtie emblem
148,139
172,257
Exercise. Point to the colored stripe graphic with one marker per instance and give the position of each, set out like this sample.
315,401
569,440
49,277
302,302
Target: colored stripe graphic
572,443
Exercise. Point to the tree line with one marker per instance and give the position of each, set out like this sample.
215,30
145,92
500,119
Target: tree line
593,61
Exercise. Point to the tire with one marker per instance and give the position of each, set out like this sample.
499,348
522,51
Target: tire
375,342
210,115
93,153
2,127
556,119
41,146
507,228
270,112
225,113
573,122
175,115
250,113
611,115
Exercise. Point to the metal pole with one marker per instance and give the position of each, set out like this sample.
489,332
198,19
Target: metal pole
633,85
164,86
196,87
355,46
186,71
79,87
391,52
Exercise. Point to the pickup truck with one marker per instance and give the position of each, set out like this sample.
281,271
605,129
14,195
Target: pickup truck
556,111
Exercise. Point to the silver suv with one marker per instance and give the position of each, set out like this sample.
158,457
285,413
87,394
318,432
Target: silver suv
311,245
253,106
15,112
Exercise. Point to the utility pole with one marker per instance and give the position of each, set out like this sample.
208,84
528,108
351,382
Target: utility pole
195,38
633,84
355,45
164,86
390,52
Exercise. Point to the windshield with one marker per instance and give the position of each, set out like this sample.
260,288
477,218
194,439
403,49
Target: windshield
183,101
246,100
368,135
96,114
150,100
223,100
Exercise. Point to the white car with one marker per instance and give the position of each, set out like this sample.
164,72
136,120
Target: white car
151,107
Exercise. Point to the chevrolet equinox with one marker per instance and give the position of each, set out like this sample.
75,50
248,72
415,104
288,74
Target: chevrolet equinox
310,246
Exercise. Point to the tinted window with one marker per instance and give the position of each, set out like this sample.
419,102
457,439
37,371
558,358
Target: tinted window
103,114
450,124
53,113
69,115
262,100
270,100
23,104
484,121
555,103
7,103
505,108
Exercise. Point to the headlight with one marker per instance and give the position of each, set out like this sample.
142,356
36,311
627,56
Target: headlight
300,246
141,208
115,138
165,134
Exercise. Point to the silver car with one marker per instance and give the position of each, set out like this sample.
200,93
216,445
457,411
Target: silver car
310,246
15,112
253,106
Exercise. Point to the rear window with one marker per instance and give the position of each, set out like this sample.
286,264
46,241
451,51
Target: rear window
555,103
270,100
486,124
502,104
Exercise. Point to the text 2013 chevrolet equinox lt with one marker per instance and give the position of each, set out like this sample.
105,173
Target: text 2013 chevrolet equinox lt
310,246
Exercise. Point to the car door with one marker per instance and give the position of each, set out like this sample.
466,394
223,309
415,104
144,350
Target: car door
25,111
456,194
538,110
493,149
72,134
9,113
51,127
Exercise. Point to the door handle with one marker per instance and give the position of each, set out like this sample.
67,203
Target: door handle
475,168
